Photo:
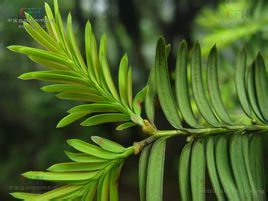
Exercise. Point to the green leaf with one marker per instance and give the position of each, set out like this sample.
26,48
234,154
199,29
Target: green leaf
94,56
108,145
246,154
90,64
51,22
105,118
37,54
92,149
69,88
43,40
143,166
70,119
60,192
96,107
113,186
239,167
139,98
212,169
49,28
251,88
129,87
77,167
84,158
256,164
103,189
197,170
198,87
103,64
60,28
155,171
164,90
150,96
123,80
73,46
61,176
224,169
49,64
184,173
91,191
24,196
108,78
125,126
261,83
240,82
40,35
80,97
55,76
213,87
181,83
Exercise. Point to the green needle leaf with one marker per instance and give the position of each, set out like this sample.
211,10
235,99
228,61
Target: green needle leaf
164,90
212,169
91,149
114,175
103,189
60,192
150,96
39,55
256,164
94,56
240,82
105,118
71,118
125,126
79,97
184,173
123,80
24,196
139,98
84,158
252,93
261,83
239,167
43,40
73,46
95,108
90,64
129,87
224,169
55,76
60,27
61,176
246,154
213,87
52,22
182,93
198,87
69,88
197,170
108,78
76,167
108,145
155,171
143,166
92,187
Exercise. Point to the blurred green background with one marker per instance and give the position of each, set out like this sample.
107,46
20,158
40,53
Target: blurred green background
28,137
